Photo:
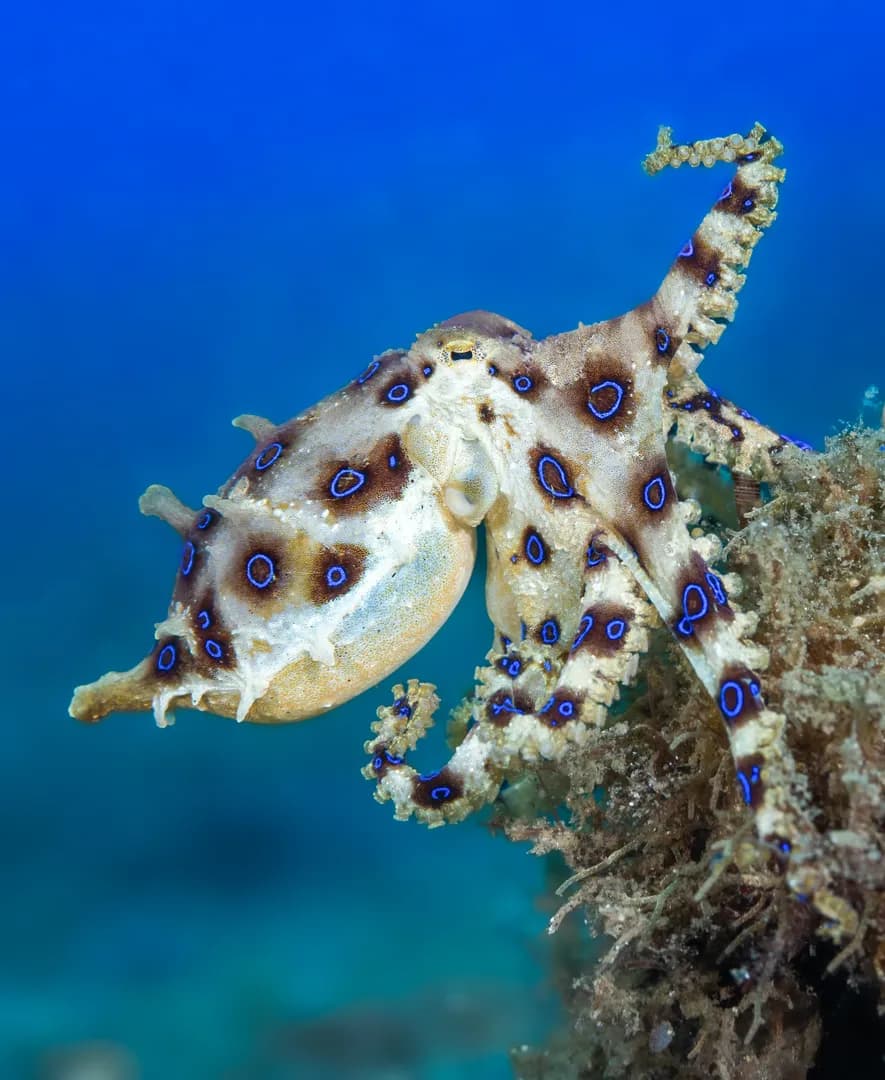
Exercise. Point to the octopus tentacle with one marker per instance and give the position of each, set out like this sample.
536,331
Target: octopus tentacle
698,295
723,433
535,701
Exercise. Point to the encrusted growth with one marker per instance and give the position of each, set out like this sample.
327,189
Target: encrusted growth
704,964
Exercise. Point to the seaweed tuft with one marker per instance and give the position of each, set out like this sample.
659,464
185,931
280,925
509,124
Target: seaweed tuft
699,961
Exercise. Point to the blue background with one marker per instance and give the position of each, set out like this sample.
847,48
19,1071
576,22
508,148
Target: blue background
214,209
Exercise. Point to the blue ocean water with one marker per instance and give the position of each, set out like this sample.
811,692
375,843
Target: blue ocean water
207,210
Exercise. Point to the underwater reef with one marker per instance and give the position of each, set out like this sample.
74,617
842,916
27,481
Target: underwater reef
699,961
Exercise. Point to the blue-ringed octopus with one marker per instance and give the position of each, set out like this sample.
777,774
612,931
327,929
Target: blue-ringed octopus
347,537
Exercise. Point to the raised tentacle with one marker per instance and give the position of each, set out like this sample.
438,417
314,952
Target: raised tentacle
698,295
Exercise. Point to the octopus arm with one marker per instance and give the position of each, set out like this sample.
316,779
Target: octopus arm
724,433
698,296
535,701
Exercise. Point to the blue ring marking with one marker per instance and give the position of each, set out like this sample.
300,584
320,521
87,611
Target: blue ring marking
691,590
754,774
523,630
654,494
187,558
398,393
711,278
801,443
427,371
755,688
547,666
615,629
748,204
584,628
267,561
534,549
403,708
514,668
204,619
708,404
745,784
336,576
604,385
545,460
274,449
736,433
785,847
716,587
369,372
566,709
492,369
731,711
377,763
594,558
549,704
441,793
506,642
392,759
726,191
550,632
430,775
214,649
392,461
347,472
686,251
662,340
522,384
507,705
167,657
204,520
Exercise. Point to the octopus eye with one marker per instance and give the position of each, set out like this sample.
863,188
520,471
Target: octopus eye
463,349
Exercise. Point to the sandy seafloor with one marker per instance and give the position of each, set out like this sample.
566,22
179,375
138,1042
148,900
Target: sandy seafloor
207,210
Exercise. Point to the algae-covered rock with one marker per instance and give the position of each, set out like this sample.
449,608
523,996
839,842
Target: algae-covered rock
704,965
